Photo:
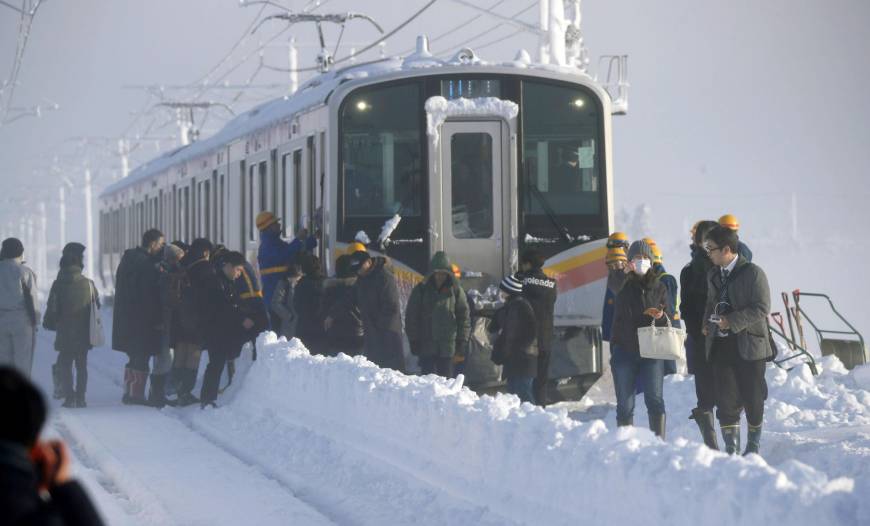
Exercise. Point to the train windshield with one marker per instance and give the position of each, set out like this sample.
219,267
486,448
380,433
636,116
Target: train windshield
562,184
382,152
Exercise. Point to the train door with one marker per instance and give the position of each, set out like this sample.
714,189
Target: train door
291,174
470,195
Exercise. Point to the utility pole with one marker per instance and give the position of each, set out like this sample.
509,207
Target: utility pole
294,65
89,225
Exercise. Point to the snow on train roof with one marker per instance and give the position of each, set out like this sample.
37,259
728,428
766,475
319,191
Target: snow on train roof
315,91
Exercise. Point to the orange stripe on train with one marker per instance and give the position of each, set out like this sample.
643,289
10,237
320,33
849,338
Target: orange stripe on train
581,275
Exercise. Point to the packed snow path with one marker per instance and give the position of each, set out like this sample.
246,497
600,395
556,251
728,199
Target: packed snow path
309,440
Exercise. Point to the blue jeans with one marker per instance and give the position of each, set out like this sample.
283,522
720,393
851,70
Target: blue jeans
628,370
522,387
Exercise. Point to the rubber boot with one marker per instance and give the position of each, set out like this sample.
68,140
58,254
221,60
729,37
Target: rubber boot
137,387
157,393
753,440
657,425
731,438
57,382
707,426
625,422
128,385
185,391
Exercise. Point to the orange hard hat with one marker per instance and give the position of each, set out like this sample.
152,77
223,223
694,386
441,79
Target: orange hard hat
265,220
617,239
456,271
356,246
729,221
615,254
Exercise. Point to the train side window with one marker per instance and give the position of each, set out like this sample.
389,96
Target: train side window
382,152
186,214
264,186
221,210
284,188
252,215
297,192
207,209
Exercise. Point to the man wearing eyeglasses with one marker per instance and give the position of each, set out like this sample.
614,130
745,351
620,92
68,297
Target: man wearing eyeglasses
735,329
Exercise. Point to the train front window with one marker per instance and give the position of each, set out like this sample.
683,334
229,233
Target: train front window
562,176
382,151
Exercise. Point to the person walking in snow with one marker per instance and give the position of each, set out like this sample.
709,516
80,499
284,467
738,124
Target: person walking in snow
274,254
516,344
540,291
224,323
137,323
68,312
437,320
693,301
377,296
35,475
643,298
18,314
342,320
735,327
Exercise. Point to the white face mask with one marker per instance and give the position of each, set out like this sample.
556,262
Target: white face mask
641,266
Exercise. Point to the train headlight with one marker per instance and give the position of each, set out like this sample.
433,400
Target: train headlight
578,103
362,106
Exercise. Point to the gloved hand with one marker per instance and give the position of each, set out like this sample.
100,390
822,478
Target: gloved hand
461,347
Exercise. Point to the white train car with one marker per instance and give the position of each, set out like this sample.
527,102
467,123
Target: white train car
478,159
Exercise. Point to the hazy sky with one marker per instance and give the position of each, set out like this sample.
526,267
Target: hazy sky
735,106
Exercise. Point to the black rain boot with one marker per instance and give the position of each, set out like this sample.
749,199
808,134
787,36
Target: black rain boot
185,390
707,426
753,440
70,402
57,381
157,394
625,422
127,399
731,438
657,425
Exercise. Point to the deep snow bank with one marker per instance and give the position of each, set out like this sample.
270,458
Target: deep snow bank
529,464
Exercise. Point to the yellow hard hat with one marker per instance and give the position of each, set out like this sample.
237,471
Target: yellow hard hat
456,271
265,220
650,241
356,246
615,254
617,239
729,221
657,254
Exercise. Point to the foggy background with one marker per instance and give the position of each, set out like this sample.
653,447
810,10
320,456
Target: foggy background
756,108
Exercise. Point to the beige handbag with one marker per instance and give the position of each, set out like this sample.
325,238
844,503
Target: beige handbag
662,343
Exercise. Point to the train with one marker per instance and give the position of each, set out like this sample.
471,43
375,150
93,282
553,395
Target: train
412,155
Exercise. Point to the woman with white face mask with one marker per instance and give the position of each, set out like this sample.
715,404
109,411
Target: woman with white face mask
643,298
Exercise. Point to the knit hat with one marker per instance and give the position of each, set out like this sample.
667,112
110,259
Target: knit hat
171,254
615,254
440,262
729,221
73,249
511,285
265,220
617,239
12,248
640,249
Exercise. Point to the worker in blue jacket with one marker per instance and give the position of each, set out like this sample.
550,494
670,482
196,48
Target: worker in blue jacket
275,254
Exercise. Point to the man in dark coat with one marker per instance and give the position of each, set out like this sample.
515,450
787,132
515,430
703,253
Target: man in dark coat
36,485
735,326
224,323
342,320
138,317
377,296
516,346
437,320
307,302
693,301
540,291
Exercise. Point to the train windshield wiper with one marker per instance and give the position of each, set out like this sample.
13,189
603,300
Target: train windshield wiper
560,228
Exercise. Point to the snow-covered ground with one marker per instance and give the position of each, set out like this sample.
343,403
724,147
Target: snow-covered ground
303,439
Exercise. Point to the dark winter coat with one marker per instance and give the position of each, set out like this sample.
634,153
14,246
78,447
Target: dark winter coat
516,346
179,309
377,296
250,293
437,319
68,310
540,291
138,314
307,302
346,332
615,280
693,292
274,257
749,299
670,283
22,504
744,251
221,315
637,295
